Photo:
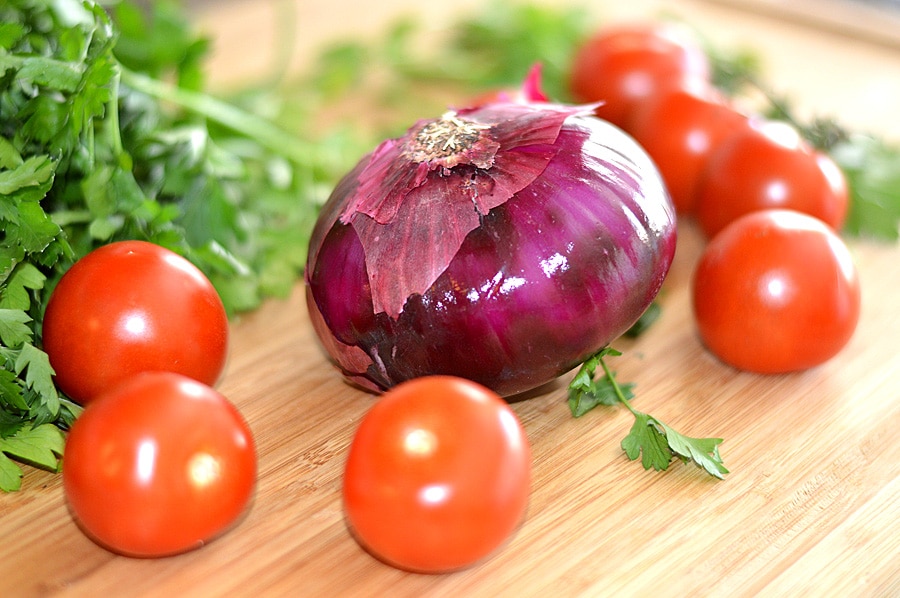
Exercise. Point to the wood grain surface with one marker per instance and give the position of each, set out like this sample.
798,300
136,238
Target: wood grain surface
810,508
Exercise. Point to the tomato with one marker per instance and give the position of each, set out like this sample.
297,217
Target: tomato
680,130
159,465
438,475
626,64
130,307
776,291
768,165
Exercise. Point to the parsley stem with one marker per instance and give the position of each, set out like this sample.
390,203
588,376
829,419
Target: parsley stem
114,132
241,121
616,388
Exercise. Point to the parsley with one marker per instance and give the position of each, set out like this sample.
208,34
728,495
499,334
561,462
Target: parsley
870,164
872,167
656,443
498,45
107,133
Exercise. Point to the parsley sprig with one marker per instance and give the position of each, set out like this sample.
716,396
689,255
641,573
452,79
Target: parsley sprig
654,442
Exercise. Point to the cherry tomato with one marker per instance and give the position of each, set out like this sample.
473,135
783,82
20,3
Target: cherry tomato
626,64
768,165
776,291
159,465
130,307
438,475
680,130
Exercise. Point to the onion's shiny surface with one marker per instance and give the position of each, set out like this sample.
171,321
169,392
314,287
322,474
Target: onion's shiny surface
546,278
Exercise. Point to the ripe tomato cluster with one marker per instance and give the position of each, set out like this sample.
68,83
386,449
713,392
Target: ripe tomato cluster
776,289
158,462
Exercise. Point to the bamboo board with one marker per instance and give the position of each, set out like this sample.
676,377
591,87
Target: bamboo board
810,506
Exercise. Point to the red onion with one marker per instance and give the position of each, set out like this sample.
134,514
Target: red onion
505,244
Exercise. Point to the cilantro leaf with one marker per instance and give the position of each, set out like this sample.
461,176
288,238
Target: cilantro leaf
650,439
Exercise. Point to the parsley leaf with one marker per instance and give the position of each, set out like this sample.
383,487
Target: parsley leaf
647,440
10,474
14,329
41,446
498,45
647,319
650,439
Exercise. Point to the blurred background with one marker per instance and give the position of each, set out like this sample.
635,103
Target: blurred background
851,48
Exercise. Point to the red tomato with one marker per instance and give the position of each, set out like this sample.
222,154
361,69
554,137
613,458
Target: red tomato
625,65
776,291
680,130
438,475
768,165
131,307
160,465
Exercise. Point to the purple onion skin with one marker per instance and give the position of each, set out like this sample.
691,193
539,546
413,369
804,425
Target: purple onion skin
556,273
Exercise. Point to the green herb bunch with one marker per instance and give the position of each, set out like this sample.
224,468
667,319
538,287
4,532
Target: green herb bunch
106,133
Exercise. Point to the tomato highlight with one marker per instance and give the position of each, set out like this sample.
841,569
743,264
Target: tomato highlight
681,130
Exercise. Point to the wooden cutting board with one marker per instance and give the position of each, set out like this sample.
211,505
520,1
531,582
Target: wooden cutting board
810,507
